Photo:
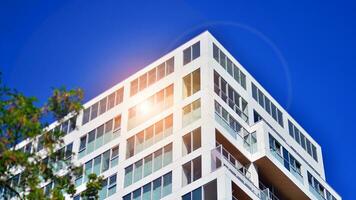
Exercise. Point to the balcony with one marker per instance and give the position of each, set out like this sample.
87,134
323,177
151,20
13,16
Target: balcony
231,103
222,158
286,163
243,137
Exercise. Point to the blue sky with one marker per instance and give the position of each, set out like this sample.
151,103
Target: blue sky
302,52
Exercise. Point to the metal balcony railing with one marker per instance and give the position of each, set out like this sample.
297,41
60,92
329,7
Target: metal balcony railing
222,158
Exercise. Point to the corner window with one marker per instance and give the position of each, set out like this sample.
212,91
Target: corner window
191,53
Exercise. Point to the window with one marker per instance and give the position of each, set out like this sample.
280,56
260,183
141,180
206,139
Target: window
130,151
319,188
142,82
134,87
158,102
285,158
114,156
160,71
267,105
157,160
86,115
206,192
128,175
97,163
156,189
216,52
119,96
303,141
167,154
229,66
112,185
230,96
170,66
191,171
191,53
152,76
106,161
96,137
137,171
102,105
111,101
83,142
191,141
196,50
68,151
149,136
108,187
191,112
167,184
191,83
148,165
94,111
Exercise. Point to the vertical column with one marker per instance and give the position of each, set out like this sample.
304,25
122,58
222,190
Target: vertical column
207,105
252,169
224,187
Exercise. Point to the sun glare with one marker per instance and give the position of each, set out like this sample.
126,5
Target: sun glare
145,107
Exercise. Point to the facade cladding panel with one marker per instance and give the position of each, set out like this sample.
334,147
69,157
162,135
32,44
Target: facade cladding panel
192,125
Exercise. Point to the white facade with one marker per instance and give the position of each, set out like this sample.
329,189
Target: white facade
233,151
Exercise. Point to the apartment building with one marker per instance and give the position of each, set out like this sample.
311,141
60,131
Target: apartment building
193,125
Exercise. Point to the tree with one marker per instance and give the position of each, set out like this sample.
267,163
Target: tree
21,119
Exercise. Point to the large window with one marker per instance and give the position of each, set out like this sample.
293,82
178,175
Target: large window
206,192
149,136
266,104
228,66
103,105
303,141
108,187
148,165
191,83
191,171
191,112
99,136
230,96
150,107
154,190
152,76
191,53
191,141
99,164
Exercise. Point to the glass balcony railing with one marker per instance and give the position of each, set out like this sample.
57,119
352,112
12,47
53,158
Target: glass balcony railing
222,158
247,140
286,163
232,104
266,193
191,117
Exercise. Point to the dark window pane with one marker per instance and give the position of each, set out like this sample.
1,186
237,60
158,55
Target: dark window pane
187,56
216,52
94,111
86,115
196,50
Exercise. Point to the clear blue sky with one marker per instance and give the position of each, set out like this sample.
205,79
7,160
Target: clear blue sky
303,53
